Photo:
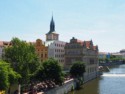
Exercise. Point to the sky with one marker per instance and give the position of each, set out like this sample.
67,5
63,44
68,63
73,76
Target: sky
102,21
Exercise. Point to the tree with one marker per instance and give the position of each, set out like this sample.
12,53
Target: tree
7,75
101,60
53,71
77,69
115,58
39,75
107,60
23,59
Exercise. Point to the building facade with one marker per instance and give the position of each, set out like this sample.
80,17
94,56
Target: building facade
83,51
3,44
120,54
123,53
55,46
1,51
56,50
103,55
41,50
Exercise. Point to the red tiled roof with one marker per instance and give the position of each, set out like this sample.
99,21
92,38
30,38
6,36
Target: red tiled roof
3,43
6,42
80,41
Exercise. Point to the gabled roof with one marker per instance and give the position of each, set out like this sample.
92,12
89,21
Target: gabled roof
80,42
86,44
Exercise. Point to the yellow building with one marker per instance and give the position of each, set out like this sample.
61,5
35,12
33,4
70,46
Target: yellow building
41,50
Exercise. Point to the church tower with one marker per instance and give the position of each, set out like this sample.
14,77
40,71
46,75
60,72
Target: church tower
52,35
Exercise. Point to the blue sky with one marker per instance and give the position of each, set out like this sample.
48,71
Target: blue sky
103,21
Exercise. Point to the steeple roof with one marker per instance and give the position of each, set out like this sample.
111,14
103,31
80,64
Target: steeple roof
52,26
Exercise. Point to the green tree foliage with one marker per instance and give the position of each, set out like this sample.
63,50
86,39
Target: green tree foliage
101,60
115,58
77,69
51,71
7,75
112,58
39,75
22,57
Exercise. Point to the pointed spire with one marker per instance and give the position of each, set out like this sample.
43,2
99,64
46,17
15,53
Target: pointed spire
52,25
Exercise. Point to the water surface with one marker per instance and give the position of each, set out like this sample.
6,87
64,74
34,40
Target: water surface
112,82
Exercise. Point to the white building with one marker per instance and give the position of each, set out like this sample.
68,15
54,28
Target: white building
56,50
120,54
123,53
55,47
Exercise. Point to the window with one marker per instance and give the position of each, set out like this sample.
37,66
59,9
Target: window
45,55
91,61
41,55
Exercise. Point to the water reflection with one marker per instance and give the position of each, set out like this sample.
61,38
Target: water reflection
88,88
112,82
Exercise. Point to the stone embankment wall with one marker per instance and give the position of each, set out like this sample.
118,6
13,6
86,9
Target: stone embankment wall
68,86
90,76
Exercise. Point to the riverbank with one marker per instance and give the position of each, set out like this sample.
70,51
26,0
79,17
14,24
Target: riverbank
67,86
112,82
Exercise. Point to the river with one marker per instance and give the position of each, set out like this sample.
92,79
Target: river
112,82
